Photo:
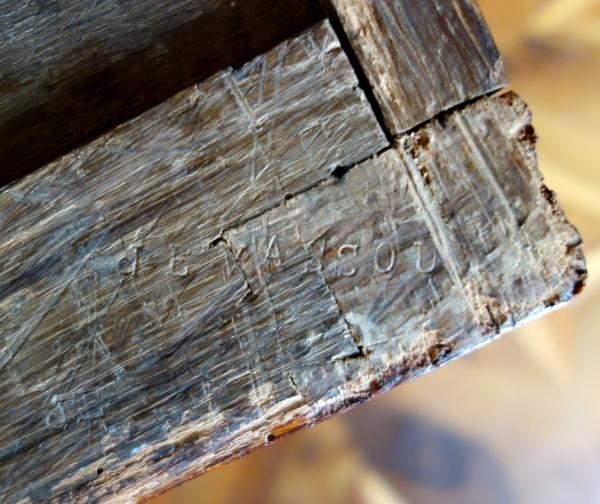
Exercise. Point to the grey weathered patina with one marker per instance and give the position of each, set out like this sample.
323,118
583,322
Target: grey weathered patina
421,57
253,255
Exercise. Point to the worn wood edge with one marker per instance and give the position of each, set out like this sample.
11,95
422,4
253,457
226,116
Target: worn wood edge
426,354
286,417
523,131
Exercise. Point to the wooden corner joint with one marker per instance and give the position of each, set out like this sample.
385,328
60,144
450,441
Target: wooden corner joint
255,255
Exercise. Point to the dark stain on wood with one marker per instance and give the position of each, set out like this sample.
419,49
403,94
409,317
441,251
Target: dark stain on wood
70,71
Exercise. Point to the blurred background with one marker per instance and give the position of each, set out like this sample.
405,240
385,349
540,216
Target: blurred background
517,421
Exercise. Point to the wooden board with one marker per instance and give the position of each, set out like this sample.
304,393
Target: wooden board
420,57
106,258
253,256
149,366
70,70
428,250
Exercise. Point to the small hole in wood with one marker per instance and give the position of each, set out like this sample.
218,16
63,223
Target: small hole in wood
339,172
99,471
270,438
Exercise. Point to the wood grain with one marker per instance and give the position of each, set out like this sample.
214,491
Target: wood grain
510,405
111,280
157,366
430,249
71,70
420,58
230,266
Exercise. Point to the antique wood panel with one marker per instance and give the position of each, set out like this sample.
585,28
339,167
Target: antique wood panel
420,57
428,250
158,366
110,265
252,255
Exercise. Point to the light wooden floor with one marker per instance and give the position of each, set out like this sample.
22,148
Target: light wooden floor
519,420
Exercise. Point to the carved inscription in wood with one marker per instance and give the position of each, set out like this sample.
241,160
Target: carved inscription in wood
162,360
429,250
252,257
117,306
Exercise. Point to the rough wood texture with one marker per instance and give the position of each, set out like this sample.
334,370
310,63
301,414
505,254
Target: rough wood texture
71,69
430,249
115,310
420,57
151,356
220,271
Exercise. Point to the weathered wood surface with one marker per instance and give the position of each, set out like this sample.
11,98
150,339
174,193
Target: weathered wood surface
429,249
110,287
420,57
69,70
230,266
152,357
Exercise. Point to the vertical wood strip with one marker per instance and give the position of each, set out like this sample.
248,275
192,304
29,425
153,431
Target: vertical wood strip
420,57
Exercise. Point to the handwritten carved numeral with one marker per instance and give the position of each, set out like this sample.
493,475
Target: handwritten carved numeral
420,267
57,418
437,296
273,252
383,265
344,251
230,264
128,263
177,269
